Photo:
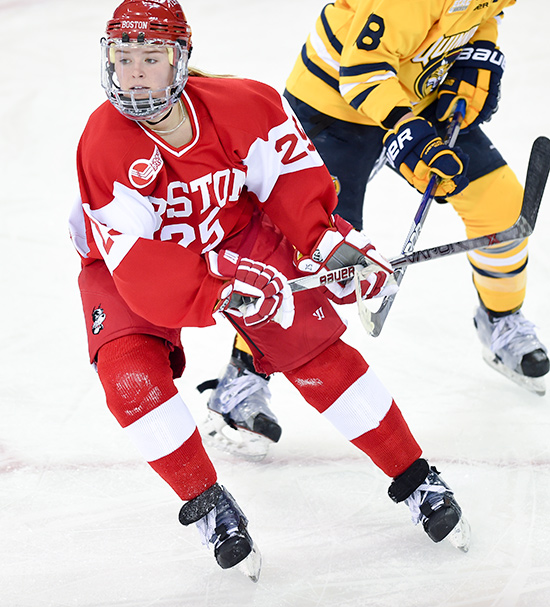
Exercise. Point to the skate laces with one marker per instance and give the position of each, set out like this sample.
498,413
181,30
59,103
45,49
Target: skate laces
221,522
238,389
206,526
432,491
514,333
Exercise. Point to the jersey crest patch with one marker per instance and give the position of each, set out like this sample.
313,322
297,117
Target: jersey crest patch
143,172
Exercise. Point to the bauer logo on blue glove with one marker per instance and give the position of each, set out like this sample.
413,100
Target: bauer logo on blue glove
415,149
474,77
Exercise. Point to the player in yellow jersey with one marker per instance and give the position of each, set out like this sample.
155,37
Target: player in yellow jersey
379,79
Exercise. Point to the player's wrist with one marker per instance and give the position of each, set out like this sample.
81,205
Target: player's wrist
398,114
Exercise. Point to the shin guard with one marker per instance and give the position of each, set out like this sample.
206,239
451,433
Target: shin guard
345,390
137,378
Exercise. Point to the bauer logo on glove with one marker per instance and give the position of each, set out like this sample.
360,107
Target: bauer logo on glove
343,246
475,77
415,149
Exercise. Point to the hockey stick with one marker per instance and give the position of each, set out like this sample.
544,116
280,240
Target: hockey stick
374,321
535,182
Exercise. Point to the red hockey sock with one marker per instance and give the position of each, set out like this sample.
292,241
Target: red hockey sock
340,385
137,378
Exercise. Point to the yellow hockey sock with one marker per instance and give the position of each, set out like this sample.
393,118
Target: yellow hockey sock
490,204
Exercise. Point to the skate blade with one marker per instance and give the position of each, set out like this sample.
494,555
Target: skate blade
536,385
460,535
251,566
242,443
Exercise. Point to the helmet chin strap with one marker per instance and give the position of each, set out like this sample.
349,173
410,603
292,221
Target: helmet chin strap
162,119
172,130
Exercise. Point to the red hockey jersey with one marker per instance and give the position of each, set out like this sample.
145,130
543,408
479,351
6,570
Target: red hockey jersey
151,211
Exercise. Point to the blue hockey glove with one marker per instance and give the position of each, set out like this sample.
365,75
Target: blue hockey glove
475,77
415,149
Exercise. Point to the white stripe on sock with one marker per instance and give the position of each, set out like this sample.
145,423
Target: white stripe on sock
361,407
162,430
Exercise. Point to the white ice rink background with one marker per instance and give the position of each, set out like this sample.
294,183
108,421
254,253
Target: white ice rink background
85,522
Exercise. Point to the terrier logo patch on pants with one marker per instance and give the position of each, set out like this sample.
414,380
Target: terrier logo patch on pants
98,318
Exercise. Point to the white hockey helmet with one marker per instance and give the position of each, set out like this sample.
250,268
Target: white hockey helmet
141,22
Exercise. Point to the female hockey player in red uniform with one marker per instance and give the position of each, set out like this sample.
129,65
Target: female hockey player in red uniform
196,194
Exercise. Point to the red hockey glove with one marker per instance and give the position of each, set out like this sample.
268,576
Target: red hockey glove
475,77
256,292
415,149
344,246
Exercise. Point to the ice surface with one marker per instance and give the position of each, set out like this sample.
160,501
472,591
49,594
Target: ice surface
84,522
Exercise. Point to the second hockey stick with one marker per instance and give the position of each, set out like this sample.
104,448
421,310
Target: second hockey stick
535,182
374,321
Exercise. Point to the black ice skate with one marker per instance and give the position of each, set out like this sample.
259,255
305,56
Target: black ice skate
432,503
222,524
239,418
